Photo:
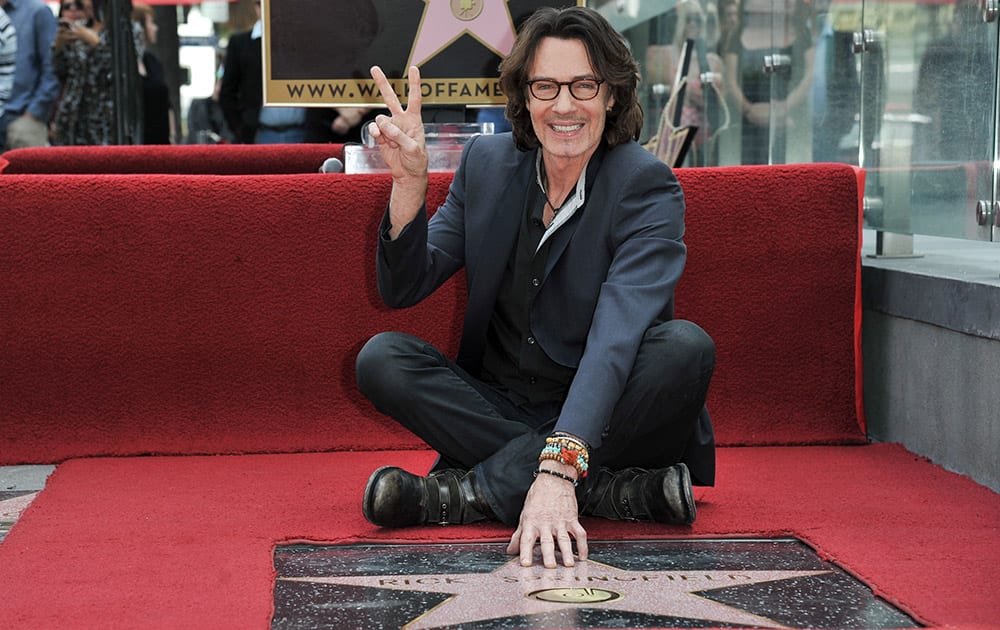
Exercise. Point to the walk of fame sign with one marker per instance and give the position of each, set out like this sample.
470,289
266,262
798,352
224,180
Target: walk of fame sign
635,584
319,52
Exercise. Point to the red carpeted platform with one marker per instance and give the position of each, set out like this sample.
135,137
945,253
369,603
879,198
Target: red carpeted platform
186,542
198,315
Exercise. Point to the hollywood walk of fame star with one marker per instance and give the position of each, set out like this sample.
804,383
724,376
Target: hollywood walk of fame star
513,590
444,21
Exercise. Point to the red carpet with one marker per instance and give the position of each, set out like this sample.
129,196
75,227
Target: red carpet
186,542
205,314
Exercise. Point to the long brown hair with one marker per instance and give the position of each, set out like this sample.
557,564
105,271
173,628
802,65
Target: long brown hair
609,54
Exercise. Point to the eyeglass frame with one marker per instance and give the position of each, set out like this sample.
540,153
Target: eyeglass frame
559,86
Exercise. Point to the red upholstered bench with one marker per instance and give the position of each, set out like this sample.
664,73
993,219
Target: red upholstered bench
183,314
203,159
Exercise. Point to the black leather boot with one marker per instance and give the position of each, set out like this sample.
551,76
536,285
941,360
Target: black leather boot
396,498
636,494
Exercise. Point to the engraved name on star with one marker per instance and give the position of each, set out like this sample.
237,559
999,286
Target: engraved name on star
513,590
444,21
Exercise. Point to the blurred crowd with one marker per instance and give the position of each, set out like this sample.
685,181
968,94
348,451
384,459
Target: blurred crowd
57,85
240,99
756,72
56,75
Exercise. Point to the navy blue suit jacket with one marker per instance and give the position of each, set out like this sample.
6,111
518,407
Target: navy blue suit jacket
611,272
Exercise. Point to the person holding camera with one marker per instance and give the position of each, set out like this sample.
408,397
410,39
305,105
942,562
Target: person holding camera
81,58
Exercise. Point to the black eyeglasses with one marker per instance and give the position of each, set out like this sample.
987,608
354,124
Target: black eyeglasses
72,5
580,89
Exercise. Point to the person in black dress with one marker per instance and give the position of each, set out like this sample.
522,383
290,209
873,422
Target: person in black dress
156,121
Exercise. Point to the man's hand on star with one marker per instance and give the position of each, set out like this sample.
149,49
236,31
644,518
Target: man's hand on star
550,517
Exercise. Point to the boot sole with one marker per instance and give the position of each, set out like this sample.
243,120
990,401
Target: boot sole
688,494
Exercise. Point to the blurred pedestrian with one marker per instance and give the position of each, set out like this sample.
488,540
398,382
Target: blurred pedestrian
8,56
335,124
157,122
242,95
35,87
82,59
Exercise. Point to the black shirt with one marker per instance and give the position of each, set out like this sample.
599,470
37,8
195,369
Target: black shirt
512,358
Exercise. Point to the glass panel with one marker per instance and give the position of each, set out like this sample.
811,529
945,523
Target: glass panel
768,68
929,86
906,89
789,66
835,96
677,95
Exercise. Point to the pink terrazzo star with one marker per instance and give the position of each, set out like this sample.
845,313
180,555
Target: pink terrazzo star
444,21
512,590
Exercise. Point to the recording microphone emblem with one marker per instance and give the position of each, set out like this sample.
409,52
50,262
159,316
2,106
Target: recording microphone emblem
332,165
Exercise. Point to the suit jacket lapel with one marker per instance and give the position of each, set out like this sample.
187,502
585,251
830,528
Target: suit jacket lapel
498,239
561,239
493,249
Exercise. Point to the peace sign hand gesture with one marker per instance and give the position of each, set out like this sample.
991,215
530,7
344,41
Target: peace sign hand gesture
401,135
400,138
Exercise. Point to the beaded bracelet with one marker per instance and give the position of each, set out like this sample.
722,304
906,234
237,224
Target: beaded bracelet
566,450
567,456
564,443
569,436
556,473
569,442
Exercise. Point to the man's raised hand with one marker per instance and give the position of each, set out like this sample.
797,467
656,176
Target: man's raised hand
400,136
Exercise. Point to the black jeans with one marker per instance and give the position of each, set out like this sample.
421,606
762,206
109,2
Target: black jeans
473,425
